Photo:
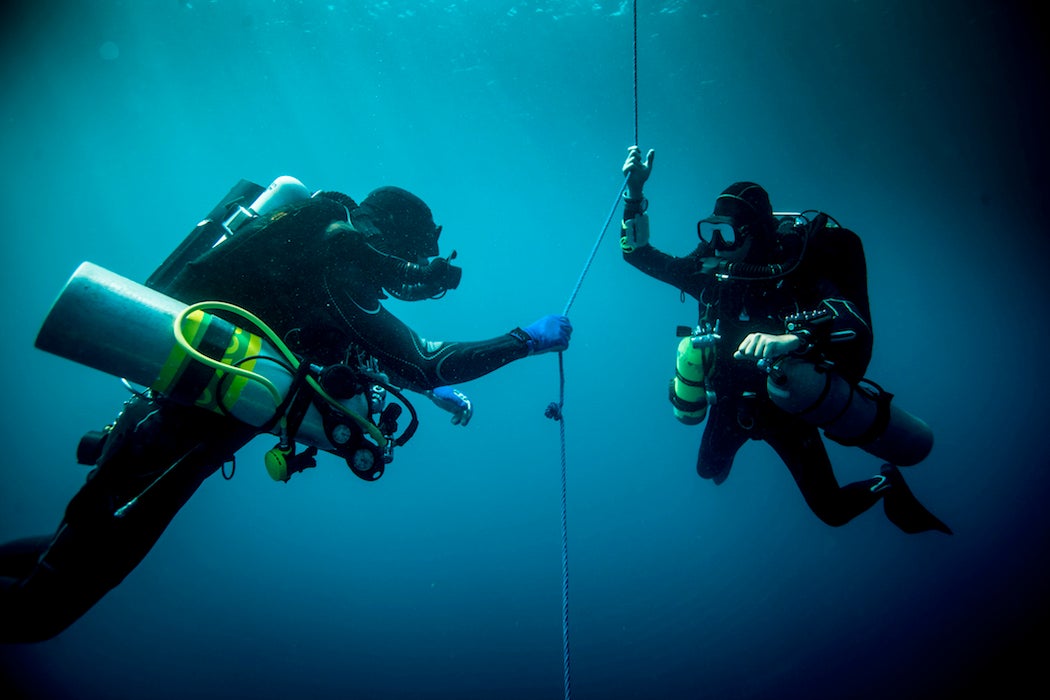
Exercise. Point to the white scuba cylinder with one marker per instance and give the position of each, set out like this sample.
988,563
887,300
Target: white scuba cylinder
282,191
115,325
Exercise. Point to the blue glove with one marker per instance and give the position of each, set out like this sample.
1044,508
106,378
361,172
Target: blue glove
455,402
549,334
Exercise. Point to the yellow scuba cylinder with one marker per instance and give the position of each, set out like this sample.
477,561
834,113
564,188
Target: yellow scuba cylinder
860,415
117,326
688,391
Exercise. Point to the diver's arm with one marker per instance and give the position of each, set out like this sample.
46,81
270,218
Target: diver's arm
427,364
688,273
424,364
832,317
833,321
840,313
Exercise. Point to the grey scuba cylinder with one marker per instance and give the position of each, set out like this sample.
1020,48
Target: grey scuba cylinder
859,415
115,325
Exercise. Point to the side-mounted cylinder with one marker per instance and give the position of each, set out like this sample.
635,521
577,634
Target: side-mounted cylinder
688,390
860,415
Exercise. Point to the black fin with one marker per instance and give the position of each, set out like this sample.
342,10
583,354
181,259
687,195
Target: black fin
903,508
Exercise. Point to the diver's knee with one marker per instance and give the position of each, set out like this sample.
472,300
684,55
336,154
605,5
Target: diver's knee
831,517
28,619
41,606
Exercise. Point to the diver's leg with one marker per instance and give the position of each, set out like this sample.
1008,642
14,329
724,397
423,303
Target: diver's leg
97,543
802,450
723,437
800,446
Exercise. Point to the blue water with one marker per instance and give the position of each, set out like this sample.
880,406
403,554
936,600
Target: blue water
918,125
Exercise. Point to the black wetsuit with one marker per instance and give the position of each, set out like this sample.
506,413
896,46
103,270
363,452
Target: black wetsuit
832,275
320,292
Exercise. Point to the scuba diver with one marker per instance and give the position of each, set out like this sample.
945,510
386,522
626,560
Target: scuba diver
780,349
314,269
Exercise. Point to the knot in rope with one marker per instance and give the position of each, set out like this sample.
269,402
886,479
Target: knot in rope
553,411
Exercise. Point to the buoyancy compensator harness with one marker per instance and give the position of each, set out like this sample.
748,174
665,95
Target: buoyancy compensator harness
340,408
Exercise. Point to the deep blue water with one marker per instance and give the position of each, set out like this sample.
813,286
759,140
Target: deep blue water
918,125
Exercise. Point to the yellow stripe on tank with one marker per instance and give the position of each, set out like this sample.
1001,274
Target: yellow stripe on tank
237,354
194,325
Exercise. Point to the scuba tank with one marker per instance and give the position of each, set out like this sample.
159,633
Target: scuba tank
281,192
695,358
112,324
861,415
224,220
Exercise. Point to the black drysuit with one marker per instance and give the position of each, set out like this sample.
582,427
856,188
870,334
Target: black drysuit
832,276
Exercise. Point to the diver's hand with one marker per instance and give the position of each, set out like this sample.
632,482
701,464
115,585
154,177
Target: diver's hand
637,170
455,402
764,346
549,334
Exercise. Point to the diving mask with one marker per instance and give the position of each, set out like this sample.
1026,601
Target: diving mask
720,233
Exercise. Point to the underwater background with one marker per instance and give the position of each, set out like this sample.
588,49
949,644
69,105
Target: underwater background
919,125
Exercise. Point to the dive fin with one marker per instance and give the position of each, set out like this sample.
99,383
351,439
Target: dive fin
903,508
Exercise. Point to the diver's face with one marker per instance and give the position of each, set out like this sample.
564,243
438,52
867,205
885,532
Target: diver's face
736,254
